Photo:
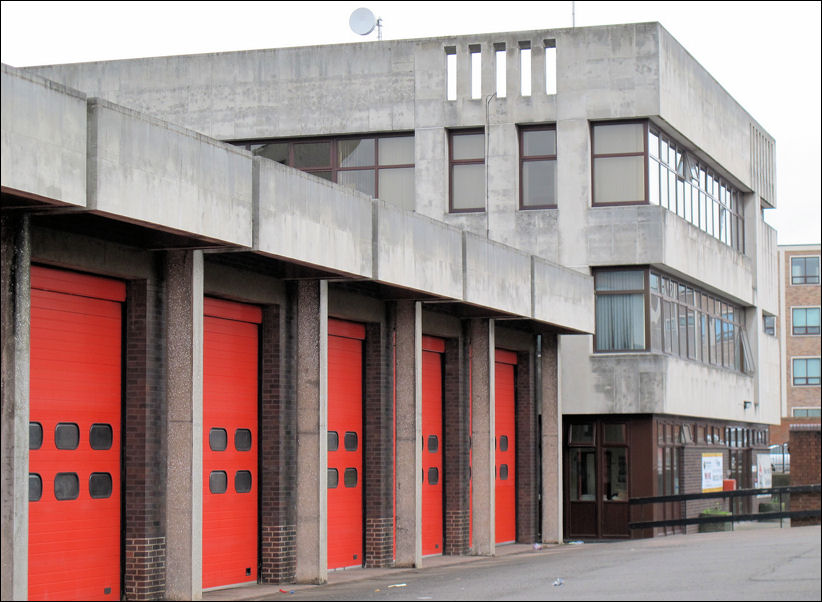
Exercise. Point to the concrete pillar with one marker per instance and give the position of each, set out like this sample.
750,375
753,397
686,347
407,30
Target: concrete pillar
481,332
409,433
551,440
310,310
184,394
16,310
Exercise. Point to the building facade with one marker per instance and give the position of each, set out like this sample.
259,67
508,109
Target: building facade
410,297
798,331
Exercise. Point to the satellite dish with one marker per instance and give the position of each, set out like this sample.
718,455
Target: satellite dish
362,21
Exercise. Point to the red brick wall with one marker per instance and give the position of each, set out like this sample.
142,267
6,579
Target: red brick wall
806,466
527,473
456,436
144,476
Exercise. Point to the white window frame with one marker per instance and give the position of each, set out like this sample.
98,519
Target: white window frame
790,273
803,357
793,307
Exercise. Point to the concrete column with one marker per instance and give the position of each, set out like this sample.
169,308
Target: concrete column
409,433
311,344
481,332
15,302
184,392
551,440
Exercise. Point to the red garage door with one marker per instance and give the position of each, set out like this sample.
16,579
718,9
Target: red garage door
432,476
74,436
345,458
506,511
230,432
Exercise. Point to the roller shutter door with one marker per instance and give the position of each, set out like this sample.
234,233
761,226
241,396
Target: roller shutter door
74,436
505,438
230,443
432,446
345,443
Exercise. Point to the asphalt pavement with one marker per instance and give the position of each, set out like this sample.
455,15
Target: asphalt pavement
757,562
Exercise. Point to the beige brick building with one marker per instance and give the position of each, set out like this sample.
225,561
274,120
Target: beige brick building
799,333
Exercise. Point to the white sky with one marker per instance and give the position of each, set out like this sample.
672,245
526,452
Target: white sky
766,54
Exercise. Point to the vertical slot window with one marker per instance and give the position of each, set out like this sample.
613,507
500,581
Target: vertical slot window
501,70
550,66
451,73
525,68
476,71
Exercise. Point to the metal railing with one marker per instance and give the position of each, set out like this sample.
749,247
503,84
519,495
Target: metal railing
739,493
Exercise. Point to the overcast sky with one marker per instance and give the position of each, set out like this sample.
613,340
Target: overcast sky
765,54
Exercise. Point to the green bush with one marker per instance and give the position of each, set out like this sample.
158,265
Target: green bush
714,527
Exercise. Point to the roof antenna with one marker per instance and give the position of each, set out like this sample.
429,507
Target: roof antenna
362,22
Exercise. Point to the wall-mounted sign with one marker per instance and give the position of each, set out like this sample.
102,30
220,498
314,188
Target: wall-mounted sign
764,476
711,472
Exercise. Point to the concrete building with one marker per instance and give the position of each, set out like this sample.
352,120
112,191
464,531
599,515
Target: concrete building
354,305
798,333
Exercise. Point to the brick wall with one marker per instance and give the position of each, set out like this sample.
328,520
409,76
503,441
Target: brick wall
278,451
806,460
456,435
378,448
144,450
527,469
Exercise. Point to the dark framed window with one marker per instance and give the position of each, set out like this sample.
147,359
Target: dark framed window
333,478
804,321
379,166
66,435
242,440
619,162
433,444
805,270
218,481
100,485
620,310
100,436
805,371
333,441
242,481
217,439
466,162
35,435
350,477
538,167
66,486
350,441
769,324
35,487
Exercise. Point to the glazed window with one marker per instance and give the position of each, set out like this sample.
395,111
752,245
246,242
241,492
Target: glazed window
538,167
379,166
100,436
503,443
581,433
619,163
350,441
66,486
805,371
805,320
433,475
333,441
807,412
503,472
433,444
467,170
66,435
242,481
218,481
100,485
350,477
805,270
217,439
242,440
769,324
35,487
35,435
333,478
620,310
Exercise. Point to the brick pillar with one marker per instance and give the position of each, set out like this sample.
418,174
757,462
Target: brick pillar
184,392
15,304
308,317
551,408
527,473
408,328
379,448
481,333
278,449
806,462
144,432
457,433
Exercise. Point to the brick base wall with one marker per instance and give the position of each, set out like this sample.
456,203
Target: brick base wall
527,474
456,427
806,469
145,568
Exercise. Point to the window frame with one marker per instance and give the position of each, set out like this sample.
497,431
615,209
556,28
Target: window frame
804,277
645,303
521,130
643,153
806,415
806,359
804,308
455,162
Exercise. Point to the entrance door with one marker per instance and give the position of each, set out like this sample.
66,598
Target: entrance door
230,456
505,440
74,436
345,430
432,446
